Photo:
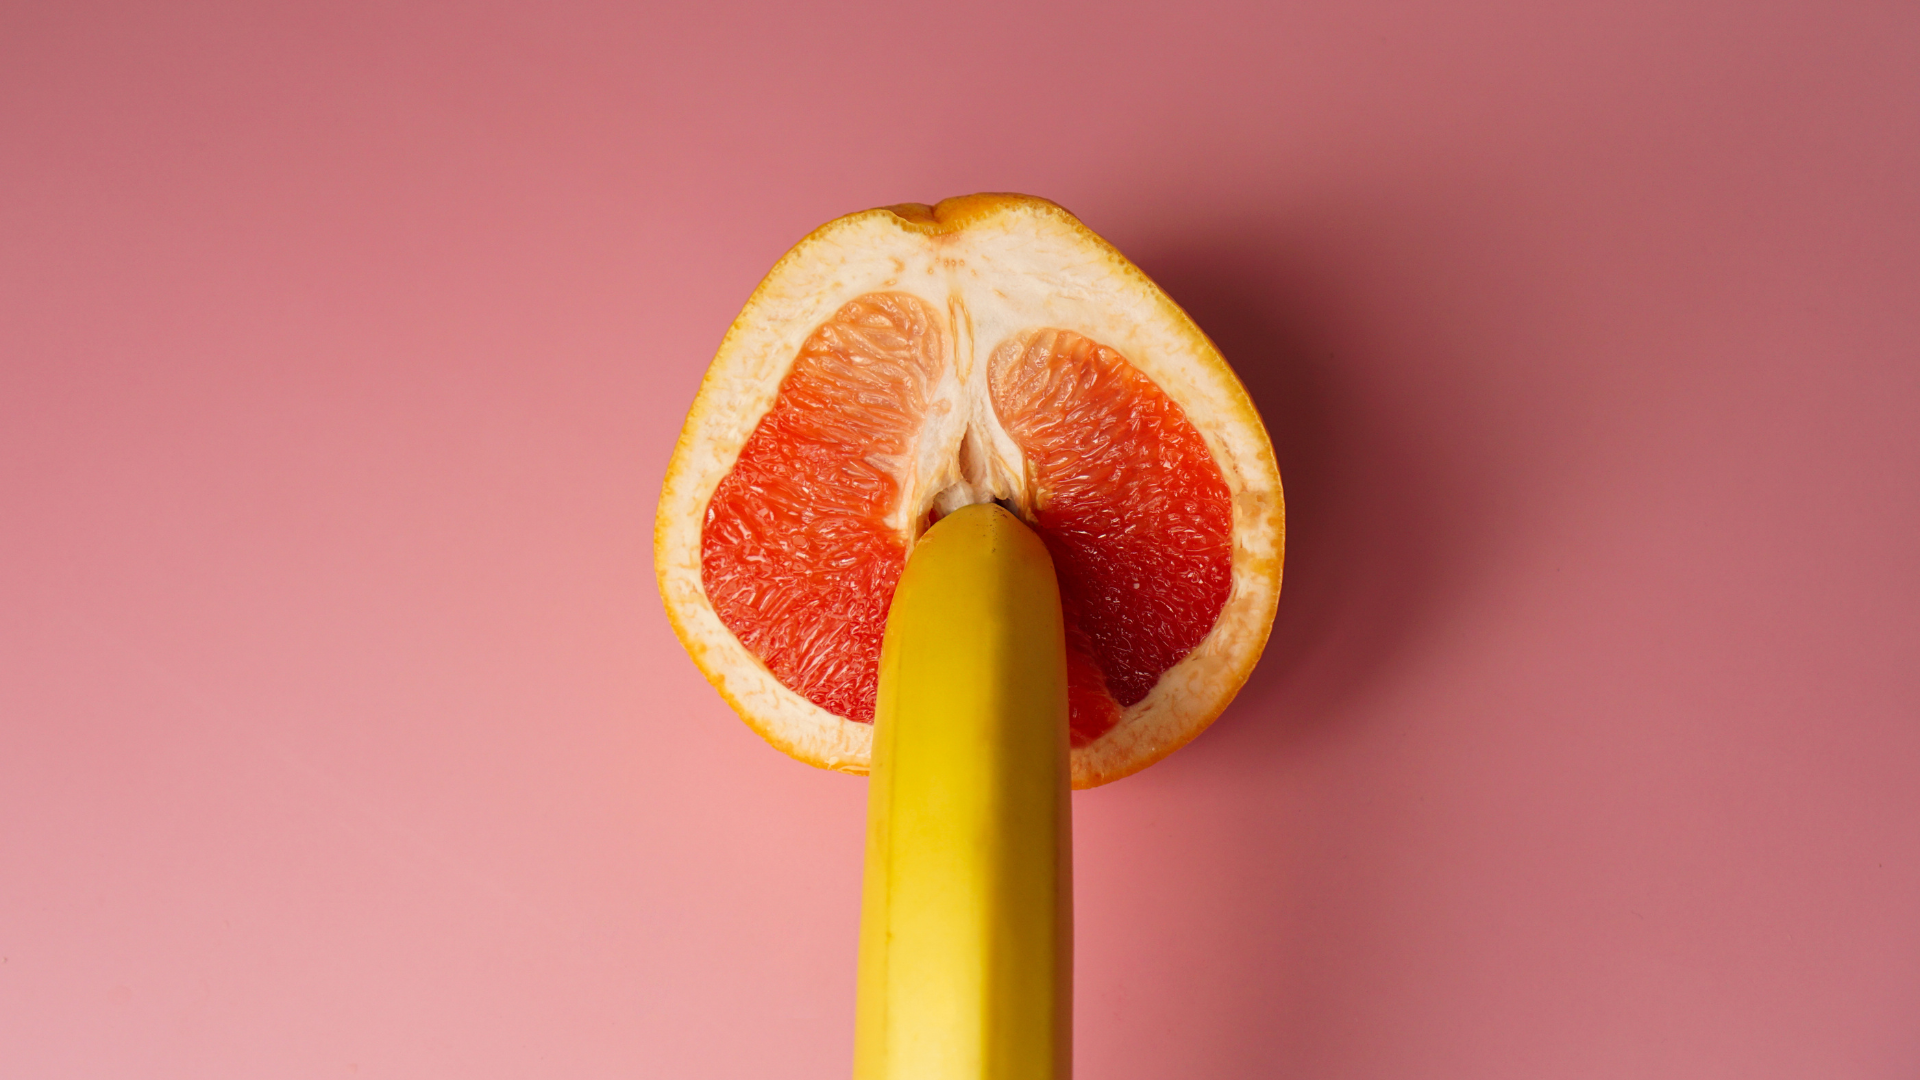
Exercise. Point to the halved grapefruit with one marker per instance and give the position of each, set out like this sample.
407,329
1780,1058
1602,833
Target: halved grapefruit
903,362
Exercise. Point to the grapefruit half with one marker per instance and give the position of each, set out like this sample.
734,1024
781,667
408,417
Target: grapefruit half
903,362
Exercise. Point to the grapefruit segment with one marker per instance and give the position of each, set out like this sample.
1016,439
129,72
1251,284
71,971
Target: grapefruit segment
1130,504
905,362
797,555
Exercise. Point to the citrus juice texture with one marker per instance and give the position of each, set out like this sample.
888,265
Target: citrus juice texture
801,547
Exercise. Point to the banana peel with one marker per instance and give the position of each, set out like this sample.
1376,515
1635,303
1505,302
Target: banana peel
966,931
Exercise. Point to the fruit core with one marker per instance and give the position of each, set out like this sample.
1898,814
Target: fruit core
873,433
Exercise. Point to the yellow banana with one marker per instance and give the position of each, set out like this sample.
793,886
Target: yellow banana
966,922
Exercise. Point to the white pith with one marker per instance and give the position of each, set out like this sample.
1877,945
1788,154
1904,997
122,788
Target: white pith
1027,268
963,456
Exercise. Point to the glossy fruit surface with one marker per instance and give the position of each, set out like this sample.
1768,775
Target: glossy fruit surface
905,362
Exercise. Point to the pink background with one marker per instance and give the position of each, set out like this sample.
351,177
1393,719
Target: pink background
341,733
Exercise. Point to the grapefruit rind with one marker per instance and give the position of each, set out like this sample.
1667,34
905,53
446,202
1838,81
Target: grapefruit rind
1001,265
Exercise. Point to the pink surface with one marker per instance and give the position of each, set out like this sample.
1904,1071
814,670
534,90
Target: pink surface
342,350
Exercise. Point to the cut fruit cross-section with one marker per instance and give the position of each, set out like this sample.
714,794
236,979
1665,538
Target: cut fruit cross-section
904,362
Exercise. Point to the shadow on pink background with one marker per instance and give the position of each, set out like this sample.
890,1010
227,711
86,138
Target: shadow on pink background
342,349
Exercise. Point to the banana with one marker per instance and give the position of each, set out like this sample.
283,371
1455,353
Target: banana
966,923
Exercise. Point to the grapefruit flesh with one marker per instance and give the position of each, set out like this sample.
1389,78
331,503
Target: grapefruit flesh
796,553
799,559
1133,511
901,363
